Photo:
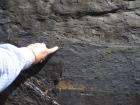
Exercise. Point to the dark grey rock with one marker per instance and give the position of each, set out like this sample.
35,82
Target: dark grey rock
99,58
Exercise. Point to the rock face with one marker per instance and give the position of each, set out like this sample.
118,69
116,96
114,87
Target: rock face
99,58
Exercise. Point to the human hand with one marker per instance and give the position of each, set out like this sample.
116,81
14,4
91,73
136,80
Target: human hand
41,51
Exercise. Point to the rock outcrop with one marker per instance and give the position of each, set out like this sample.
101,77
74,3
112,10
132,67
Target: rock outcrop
99,58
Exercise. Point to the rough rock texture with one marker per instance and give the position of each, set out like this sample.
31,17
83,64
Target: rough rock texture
99,58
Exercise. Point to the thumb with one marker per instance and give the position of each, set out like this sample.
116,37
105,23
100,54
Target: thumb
52,50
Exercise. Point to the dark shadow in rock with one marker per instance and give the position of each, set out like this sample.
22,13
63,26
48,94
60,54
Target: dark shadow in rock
3,4
22,78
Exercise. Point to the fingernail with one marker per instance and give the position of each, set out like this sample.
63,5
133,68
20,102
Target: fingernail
56,47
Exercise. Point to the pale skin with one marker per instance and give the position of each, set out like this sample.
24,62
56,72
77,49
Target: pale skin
41,51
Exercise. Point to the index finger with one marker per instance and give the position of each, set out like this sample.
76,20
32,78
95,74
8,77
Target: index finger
52,50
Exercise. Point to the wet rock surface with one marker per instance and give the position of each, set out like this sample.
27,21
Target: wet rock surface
99,58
